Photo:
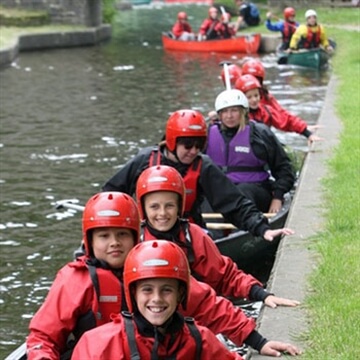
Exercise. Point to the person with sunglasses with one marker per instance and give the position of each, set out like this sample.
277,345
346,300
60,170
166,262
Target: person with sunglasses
185,138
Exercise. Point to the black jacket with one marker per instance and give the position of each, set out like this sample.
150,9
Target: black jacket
221,193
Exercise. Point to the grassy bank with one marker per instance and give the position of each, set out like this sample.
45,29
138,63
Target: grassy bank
334,303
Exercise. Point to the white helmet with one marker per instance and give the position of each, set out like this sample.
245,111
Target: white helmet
310,13
229,98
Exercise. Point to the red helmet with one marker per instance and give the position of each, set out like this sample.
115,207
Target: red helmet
247,82
255,68
288,12
234,73
159,178
184,123
182,15
213,10
110,209
155,259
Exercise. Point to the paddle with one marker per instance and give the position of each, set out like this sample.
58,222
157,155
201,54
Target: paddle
283,59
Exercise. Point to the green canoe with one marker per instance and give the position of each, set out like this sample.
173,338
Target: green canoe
313,58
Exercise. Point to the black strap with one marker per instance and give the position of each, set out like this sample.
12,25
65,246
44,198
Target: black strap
129,328
95,281
195,333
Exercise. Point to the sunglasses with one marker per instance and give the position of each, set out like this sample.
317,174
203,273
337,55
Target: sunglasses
190,142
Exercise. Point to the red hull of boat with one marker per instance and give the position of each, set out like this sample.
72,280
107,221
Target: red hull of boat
247,44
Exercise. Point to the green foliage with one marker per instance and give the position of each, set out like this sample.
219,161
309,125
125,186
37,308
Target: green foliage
23,18
108,11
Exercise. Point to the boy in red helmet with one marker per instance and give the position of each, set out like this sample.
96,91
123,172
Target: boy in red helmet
156,282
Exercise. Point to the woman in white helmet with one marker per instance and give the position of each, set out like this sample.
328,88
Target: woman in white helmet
249,153
310,35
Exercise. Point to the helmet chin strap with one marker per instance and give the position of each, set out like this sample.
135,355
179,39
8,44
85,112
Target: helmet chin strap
175,155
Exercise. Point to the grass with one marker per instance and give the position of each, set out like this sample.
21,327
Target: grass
335,301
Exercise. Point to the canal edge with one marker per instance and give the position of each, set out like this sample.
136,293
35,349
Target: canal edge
294,259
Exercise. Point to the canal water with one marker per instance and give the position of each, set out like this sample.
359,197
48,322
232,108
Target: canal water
71,117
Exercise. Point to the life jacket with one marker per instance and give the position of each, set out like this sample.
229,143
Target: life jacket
190,179
312,39
185,240
109,294
236,159
110,298
130,332
212,33
289,29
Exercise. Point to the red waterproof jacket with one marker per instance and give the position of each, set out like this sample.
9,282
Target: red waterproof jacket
111,342
283,119
179,28
72,295
216,270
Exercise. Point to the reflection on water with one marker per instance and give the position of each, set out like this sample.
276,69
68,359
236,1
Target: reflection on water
70,118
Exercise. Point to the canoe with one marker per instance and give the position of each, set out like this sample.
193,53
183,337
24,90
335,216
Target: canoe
248,251
247,43
314,58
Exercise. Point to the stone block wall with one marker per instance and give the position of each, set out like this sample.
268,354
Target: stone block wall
76,12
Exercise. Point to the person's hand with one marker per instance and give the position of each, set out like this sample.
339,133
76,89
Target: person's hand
329,49
313,138
275,206
268,15
276,348
273,301
269,235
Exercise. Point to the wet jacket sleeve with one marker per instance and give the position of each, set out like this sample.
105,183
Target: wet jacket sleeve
278,26
219,271
283,119
224,197
69,297
217,313
125,179
267,147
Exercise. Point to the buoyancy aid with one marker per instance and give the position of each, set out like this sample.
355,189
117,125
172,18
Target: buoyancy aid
236,159
184,241
312,39
190,179
288,30
130,332
109,294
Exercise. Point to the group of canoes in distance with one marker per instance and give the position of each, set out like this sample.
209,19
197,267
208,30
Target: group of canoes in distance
302,44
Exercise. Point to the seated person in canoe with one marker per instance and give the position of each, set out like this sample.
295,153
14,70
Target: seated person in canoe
310,35
88,290
182,29
249,153
185,137
207,29
289,121
156,283
286,27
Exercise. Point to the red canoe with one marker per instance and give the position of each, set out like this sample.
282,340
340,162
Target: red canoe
247,43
